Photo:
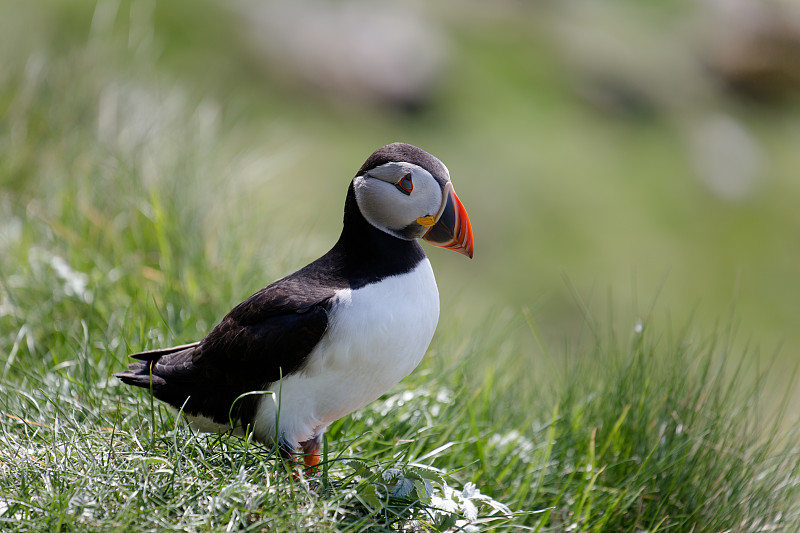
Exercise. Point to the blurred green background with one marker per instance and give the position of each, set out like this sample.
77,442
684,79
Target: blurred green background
609,155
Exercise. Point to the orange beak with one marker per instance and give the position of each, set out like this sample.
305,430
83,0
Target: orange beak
452,228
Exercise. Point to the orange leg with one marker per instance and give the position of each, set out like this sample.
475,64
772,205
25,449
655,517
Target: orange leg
311,454
311,460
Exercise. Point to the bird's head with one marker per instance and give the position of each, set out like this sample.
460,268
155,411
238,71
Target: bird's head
406,192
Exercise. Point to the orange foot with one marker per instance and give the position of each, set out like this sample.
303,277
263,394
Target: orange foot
311,454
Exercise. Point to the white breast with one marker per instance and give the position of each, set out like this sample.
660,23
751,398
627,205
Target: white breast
377,335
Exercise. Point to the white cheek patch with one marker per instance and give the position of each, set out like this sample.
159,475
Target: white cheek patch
389,209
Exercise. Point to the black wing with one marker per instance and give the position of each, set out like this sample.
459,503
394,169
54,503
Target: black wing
267,336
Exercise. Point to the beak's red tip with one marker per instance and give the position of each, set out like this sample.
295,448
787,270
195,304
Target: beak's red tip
462,241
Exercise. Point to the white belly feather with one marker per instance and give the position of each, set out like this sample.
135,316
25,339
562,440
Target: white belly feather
377,335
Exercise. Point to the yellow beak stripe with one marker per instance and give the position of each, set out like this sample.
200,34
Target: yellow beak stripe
426,221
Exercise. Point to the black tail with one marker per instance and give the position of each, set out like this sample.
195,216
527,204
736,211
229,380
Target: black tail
173,377
143,372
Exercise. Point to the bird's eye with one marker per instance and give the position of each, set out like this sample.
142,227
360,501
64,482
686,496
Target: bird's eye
405,184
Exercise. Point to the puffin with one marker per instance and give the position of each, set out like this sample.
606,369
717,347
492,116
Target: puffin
318,344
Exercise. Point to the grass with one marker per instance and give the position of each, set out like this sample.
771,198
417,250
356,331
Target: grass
639,432
133,216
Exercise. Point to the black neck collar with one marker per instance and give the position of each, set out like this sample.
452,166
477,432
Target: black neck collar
369,254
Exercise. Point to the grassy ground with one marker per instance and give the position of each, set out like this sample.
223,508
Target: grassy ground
650,429
141,201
